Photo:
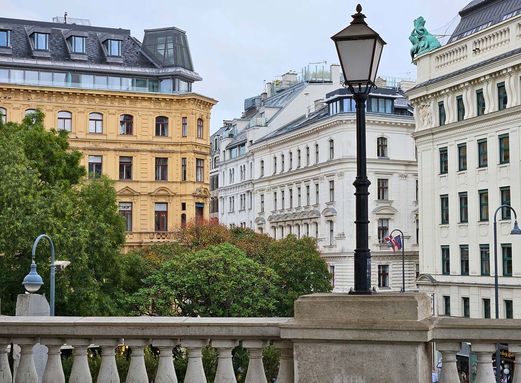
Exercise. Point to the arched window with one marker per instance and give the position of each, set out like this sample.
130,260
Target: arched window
126,124
65,121
200,126
3,115
381,147
95,123
183,220
29,111
161,126
331,149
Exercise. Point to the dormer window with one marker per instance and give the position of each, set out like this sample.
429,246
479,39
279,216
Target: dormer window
5,39
41,41
77,44
113,47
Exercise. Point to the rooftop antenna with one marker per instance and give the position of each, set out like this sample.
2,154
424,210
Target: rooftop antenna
65,18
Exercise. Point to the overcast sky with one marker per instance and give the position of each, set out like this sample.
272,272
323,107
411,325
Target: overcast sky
237,44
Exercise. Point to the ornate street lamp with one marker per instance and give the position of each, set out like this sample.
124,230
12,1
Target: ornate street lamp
515,231
359,50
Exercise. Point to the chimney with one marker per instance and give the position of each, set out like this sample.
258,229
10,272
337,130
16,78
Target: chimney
335,74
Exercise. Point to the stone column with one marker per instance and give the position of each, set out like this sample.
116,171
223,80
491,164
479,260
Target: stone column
485,372
5,371
255,373
26,371
108,372
516,349
194,370
285,374
449,369
53,372
165,369
137,372
225,373
80,372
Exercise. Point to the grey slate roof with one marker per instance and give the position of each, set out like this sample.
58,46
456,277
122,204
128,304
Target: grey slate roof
482,14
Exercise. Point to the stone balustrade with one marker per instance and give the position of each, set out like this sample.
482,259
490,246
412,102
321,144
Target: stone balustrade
332,338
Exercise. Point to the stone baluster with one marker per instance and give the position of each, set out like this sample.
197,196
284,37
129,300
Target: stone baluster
26,371
285,374
255,373
485,371
165,369
137,372
108,372
80,372
5,371
516,349
53,372
449,370
225,373
194,370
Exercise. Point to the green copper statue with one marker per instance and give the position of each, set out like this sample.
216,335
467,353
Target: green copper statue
422,41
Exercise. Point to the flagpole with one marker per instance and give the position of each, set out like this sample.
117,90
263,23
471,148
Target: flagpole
403,256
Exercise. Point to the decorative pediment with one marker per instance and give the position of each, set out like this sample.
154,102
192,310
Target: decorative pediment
127,191
164,191
427,278
329,212
260,221
201,192
308,214
385,210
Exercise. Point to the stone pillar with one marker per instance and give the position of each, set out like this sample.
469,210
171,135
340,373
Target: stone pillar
225,373
108,372
5,371
516,349
53,372
378,338
137,372
26,371
285,374
194,370
165,369
485,372
80,372
255,373
449,369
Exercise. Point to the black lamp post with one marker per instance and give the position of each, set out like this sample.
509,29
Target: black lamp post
359,49
515,231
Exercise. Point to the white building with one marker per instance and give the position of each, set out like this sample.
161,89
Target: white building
304,174
468,104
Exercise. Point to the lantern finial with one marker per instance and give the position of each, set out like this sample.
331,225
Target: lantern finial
358,18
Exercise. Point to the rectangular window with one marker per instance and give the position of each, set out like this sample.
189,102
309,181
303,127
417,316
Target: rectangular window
308,195
331,149
444,203
65,121
504,149
444,160
480,102
464,259
331,232
381,147
445,260
466,307
78,44
161,126
282,199
161,169
383,189
460,108
446,305
161,217
463,207
298,159
184,126
509,309
125,209
41,41
441,113
262,203
274,165
483,205
506,251
383,276
275,201
262,168
299,196
383,229
95,166
96,123
113,47
502,98
317,194
5,39
307,156
316,154
505,200
199,170
291,198
125,168
486,308
282,165
482,153
331,191
332,272
183,169
462,157
484,254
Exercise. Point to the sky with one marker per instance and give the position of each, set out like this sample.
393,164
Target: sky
237,45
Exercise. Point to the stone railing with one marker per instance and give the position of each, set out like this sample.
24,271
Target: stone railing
334,338
140,238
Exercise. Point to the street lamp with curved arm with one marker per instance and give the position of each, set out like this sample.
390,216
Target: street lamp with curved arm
515,231
403,256
32,281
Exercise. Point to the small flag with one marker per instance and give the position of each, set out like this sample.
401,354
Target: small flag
394,242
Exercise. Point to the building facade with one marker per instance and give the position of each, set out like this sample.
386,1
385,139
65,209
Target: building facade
467,104
128,107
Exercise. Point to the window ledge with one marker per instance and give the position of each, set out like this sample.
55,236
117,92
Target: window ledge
6,50
446,225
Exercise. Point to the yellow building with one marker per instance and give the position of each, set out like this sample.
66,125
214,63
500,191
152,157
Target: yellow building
133,116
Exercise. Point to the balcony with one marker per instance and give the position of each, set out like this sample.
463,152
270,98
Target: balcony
332,338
